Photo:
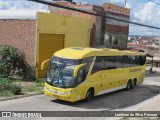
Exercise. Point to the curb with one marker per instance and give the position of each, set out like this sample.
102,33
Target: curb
20,96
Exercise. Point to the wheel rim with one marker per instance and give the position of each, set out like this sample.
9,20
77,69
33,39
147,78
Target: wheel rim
134,83
129,85
89,95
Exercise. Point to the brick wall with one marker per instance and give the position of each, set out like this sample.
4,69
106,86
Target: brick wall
20,34
117,29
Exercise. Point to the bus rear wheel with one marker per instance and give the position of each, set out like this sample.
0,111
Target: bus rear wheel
134,83
129,85
89,95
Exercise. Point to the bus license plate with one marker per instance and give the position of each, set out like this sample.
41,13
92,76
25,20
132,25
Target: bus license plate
55,95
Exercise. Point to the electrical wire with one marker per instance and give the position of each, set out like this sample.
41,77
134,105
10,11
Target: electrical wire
154,2
91,13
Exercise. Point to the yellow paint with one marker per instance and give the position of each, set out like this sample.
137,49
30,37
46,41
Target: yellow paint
48,44
77,68
45,64
55,32
102,81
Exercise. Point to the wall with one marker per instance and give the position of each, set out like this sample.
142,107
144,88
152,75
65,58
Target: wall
76,32
97,23
116,32
20,34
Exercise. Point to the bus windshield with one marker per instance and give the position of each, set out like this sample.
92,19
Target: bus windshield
60,72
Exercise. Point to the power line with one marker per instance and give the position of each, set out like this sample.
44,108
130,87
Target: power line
154,2
91,13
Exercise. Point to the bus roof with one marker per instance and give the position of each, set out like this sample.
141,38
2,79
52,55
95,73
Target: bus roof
79,52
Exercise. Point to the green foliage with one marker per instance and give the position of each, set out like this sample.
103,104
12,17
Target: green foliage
30,88
12,61
124,118
16,90
36,88
5,84
7,87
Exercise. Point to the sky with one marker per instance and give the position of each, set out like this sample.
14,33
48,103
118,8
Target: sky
142,11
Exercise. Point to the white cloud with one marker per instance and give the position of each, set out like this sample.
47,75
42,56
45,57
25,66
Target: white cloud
148,13
19,14
144,31
20,4
20,9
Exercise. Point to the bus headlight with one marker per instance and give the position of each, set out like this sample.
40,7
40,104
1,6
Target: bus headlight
65,93
59,92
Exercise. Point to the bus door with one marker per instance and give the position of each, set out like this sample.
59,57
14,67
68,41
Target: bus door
96,75
80,82
82,76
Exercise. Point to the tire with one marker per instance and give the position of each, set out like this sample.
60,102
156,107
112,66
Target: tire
129,85
134,83
89,95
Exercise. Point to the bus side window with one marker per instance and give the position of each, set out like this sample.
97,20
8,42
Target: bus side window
109,62
88,62
112,62
136,60
125,61
118,61
142,60
98,65
81,75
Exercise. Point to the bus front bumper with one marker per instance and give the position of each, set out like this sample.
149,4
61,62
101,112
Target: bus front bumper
67,97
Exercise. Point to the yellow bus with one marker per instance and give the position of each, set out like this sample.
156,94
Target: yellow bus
80,73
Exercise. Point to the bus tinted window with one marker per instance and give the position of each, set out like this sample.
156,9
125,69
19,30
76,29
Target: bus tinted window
98,65
87,60
112,62
142,60
133,61
118,61
115,62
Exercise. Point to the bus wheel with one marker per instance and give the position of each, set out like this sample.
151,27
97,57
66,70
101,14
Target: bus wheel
134,83
89,94
129,85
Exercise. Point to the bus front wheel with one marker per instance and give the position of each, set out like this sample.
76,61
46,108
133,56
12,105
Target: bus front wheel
89,95
129,85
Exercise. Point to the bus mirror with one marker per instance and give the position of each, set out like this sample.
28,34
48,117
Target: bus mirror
77,69
44,64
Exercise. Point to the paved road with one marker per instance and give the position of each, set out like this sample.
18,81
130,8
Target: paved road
116,100
119,100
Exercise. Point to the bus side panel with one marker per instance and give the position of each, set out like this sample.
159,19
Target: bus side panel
112,78
132,73
94,80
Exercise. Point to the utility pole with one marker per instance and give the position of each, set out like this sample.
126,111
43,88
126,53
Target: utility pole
159,46
125,3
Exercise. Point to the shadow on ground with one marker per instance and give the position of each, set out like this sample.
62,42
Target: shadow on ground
118,99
